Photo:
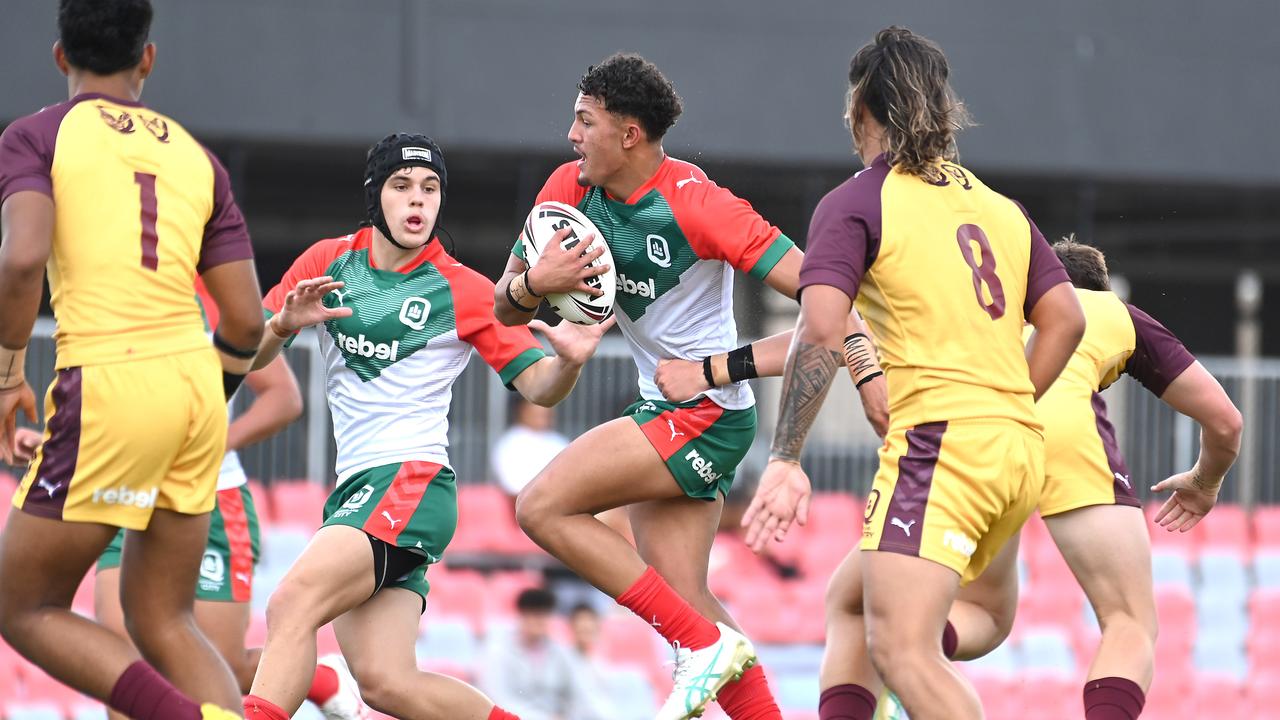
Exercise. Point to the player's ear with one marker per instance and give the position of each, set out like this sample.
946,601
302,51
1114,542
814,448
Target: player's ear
632,134
60,58
148,62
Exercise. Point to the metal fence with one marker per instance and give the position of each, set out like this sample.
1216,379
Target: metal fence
840,454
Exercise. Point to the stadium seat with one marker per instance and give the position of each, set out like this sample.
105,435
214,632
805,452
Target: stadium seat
298,503
281,546
1046,651
838,515
795,692
734,569
448,639
1001,697
627,641
1265,521
1223,655
459,594
767,614
1162,539
1266,568
1226,529
262,501
631,694
32,710
1001,663
38,686
503,589
1170,567
1218,696
486,520
1224,572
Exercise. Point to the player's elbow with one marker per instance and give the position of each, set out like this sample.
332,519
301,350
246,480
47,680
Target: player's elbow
1226,426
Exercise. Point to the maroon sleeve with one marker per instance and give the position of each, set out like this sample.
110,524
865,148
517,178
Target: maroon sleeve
226,238
26,152
1044,270
1158,356
844,234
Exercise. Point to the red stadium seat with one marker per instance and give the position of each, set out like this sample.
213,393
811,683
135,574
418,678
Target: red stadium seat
459,594
1265,522
1001,698
262,501
1219,697
298,503
1162,539
1226,529
503,588
733,569
766,614
37,685
628,641
838,515
486,520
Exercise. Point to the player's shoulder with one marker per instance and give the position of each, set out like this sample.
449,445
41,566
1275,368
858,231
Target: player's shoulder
323,252
1105,312
40,126
859,195
562,185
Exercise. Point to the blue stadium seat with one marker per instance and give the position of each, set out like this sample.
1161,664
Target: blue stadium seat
630,692
282,545
89,712
1221,655
1047,650
33,710
796,691
1170,568
1266,568
1224,571
1001,662
446,638
797,659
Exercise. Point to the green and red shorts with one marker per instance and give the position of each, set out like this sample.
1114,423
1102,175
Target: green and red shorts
411,505
230,555
700,442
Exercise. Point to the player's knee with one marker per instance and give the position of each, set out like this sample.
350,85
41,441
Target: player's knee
156,638
841,599
293,603
895,649
533,510
376,686
1133,627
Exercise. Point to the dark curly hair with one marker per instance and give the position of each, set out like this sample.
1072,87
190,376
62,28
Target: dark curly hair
1085,264
104,36
631,86
902,79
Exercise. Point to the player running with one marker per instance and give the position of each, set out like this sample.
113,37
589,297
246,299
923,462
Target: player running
1089,503
125,207
676,236
945,271
397,319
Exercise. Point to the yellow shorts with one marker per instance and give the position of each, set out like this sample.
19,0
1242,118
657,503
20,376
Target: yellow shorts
124,439
954,493
1082,461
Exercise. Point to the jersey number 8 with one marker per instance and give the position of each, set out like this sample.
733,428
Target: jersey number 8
984,272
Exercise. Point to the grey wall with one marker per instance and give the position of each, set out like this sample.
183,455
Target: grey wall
1181,90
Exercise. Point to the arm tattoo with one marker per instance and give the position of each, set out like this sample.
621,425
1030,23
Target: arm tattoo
805,382
1203,484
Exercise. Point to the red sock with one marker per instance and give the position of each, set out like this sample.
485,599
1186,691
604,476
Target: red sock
657,603
846,702
749,698
1113,698
498,713
324,685
141,692
255,708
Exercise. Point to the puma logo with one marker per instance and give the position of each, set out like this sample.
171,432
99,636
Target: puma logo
1123,481
49,488
390,519
674,432
686,181
906,526
243,577
342,294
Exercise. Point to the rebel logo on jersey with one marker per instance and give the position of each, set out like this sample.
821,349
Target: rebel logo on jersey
392,315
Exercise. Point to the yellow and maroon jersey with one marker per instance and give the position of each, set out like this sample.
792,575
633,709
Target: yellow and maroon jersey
140,208
675,243
1082,458
944,273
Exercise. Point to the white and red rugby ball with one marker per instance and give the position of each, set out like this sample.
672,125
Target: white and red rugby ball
579,306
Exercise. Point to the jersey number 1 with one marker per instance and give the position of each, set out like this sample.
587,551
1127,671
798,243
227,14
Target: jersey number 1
984,273
147,198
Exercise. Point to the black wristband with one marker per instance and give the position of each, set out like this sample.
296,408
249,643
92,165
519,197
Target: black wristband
512,299
528,285
232,350
706,371
230,383
742,364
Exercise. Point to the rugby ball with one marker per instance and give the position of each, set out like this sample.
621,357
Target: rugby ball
544,221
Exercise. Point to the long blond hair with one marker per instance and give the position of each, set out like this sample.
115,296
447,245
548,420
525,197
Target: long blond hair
902,79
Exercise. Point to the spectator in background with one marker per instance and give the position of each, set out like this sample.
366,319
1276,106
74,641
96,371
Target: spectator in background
526,447
584,623
533,676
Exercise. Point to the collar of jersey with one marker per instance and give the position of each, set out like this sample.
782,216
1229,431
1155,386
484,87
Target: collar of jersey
648,186
432,252
113,100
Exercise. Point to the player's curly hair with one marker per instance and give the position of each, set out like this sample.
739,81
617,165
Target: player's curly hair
631,86
104,36
1085,264
901,79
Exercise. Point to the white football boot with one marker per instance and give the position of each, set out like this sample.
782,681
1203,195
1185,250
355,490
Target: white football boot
700,674
346,703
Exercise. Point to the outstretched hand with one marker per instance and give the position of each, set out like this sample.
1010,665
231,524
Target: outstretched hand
1191,500
304,305
573,343
782,497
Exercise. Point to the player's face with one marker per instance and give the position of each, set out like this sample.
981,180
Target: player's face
596,135
411,202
